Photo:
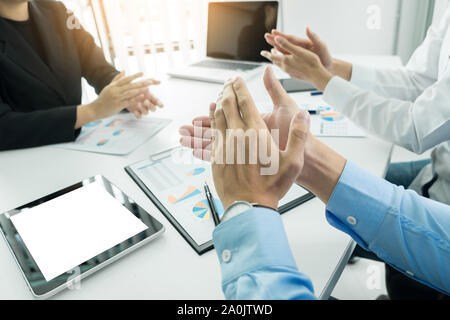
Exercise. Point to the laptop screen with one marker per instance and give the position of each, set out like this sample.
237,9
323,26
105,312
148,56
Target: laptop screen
236,29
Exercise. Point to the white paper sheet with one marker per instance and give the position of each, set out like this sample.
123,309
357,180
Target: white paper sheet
67,231
319,127
118,135
341,128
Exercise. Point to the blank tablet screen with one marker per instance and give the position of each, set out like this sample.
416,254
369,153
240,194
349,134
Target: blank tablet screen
63,233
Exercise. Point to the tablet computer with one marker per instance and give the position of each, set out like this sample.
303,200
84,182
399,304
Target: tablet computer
63,238
294,85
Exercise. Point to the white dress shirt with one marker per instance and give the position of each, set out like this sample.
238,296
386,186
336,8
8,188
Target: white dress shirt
408,106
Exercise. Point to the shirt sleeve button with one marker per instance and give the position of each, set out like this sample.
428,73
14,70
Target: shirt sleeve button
409,273
352,221
226,256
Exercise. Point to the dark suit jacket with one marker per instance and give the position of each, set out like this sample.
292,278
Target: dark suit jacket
38,101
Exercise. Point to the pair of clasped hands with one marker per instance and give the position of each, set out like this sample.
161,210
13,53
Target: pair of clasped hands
122,93
302,158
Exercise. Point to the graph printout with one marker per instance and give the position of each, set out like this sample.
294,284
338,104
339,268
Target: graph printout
325,121
177,181
118,135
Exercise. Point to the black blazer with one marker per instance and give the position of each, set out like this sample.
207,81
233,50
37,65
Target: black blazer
38,101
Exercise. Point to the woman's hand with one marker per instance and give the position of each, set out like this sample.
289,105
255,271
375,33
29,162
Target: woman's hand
120,94
315,45
115,97
145,103
299,63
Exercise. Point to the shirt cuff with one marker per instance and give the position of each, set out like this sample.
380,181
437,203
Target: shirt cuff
251,241
359,204
363,77
339,93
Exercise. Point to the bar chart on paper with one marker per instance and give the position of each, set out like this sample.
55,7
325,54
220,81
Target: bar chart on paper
334,124
118,135
190,193
196,172
162,177
178,186
325,122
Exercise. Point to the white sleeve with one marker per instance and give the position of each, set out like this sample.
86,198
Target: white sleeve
409,82
399,83
416,126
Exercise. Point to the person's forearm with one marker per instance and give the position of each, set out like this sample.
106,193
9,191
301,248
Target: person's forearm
322,171
85,115
342,69
19,130
320,78
256,260
410,125
405,230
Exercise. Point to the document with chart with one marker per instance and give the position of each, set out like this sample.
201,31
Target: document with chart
325,120
330,123
117,135
174,181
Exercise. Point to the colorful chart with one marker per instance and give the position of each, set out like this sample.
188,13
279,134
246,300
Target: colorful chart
196,172
101,143
202,211
118,133
191,192
93,124
113,123
331,116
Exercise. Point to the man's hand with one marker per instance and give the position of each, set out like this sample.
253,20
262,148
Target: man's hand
323,166
284,108
315,45
198,135
237,116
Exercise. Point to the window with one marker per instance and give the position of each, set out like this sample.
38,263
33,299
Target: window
145,35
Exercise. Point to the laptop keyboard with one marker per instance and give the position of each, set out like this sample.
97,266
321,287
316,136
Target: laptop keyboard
211,64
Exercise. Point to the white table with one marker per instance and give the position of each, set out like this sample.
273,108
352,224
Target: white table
168,268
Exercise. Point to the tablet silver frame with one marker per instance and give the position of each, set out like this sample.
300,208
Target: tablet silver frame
87,273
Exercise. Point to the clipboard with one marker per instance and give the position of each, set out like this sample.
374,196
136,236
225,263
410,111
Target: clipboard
158,175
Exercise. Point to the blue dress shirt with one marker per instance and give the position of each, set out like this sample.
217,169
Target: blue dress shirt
407,231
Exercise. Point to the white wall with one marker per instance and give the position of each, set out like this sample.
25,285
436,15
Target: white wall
343,24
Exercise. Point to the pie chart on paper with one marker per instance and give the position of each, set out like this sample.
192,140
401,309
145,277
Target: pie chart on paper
201,210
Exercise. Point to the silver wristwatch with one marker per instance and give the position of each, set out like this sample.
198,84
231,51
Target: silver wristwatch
236,209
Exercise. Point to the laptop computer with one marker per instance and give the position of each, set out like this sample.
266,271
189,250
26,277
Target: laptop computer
234,42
